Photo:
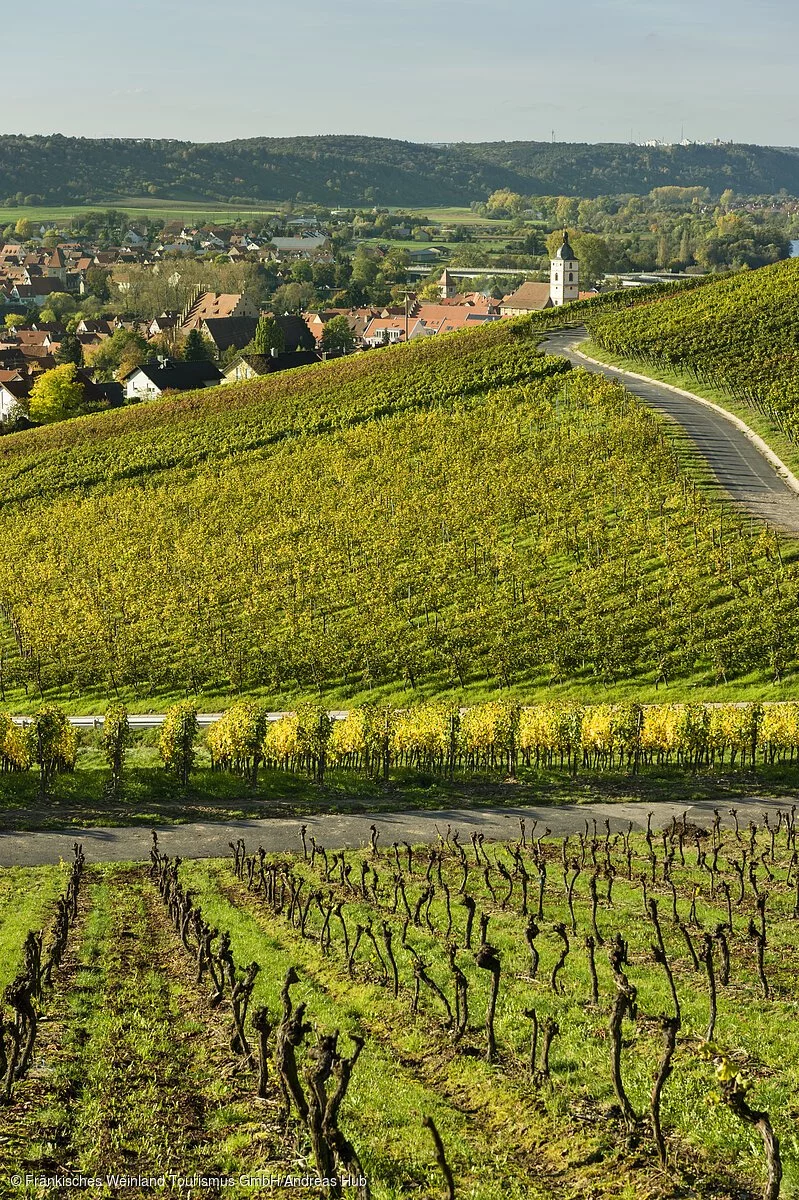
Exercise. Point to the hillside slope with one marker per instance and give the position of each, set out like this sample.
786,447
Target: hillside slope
357,170
739,333
459,513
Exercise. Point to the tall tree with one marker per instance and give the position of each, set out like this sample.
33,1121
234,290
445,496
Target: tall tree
97,283
120,353
196,347
337,335
61,304
268,337
55,395
293,297
567,210
70,350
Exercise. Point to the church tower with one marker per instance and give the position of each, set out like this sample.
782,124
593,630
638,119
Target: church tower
447,286
564,275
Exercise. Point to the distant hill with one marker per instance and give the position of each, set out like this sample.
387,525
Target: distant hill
352,170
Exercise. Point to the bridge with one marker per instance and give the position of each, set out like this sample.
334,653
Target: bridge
465,272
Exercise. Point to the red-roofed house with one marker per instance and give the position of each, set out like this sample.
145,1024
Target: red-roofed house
529,297
385,331
207,305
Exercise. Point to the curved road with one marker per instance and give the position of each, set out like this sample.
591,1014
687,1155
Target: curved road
276,834
742,469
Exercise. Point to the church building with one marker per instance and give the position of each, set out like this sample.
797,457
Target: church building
564,274
563,286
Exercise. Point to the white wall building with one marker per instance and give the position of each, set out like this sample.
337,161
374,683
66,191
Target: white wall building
9,404
154,378
564,274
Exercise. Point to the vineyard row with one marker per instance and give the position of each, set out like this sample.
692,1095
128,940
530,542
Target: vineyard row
737,334
498,735
647,951
417,924
42,953
465,513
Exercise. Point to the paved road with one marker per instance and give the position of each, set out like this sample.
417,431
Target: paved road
209,840
764,488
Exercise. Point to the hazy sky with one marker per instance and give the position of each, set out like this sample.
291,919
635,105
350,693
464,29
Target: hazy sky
424,70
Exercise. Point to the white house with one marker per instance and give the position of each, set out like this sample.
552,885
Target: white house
11,392
154,378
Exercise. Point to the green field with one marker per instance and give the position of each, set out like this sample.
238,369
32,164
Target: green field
456,216
141,1066
213,212
171,210
27,901
459,216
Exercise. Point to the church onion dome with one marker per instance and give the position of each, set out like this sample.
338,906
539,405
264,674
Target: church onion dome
566,250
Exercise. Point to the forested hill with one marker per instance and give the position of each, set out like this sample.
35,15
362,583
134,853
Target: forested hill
354,170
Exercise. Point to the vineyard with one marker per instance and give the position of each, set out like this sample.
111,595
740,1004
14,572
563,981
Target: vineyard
607,1015
500,736
456,516
496,740
738,334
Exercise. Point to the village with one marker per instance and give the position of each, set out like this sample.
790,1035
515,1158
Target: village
59,327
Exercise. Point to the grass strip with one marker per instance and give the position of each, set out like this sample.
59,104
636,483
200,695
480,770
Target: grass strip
134,1077
27,901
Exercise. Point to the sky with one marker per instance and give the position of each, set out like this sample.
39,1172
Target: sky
420,70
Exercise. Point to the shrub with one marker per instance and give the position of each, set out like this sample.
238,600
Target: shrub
177,741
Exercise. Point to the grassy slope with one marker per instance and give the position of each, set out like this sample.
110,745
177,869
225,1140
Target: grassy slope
425,515
737,334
